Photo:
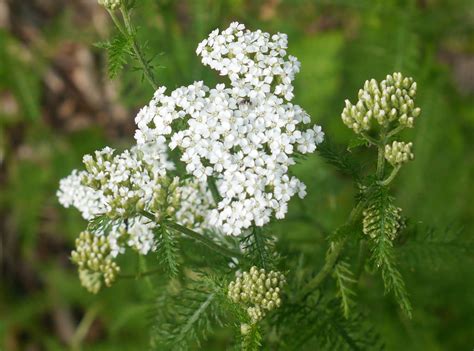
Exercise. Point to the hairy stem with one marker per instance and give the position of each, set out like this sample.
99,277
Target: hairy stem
195,235
139,275
381,155
211,183
395,131
129,32
334,253
391,177
203,239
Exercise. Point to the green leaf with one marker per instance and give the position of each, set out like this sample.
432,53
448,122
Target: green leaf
118,51
355,143
383,221
344,279
185,318
167,250
339,158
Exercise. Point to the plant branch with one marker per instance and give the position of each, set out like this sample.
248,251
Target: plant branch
195,235
381,155
371,140
395,131
211,183
139,275
334,252
129,32
391,177
203,239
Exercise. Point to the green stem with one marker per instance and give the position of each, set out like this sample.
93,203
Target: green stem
331,260
139,275
199,237
380,162
211,183
371,140
381,155
334,252
203,239
391,177
83,328
395,131
361,259
129,32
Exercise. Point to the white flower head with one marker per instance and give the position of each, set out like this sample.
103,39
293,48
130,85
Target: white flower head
244,135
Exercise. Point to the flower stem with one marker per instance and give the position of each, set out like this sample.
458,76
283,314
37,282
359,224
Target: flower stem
381,155
395,131
203,239
129,32
139,275
211,183
195,235
391,177
334,252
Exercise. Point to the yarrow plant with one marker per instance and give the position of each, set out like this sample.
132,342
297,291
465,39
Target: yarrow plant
233,146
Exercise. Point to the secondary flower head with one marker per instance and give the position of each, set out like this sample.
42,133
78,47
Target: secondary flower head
110,4
398,153
115,188
258,291
244,135
95,263
389,104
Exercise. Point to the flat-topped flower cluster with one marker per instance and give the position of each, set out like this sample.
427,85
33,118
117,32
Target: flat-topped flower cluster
241,137
244,135
121,186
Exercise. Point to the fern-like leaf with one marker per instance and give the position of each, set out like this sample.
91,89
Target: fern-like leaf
251,338
118,50
344,279
184,319
340,158
381,222
260,248
426,247
318,325
167,250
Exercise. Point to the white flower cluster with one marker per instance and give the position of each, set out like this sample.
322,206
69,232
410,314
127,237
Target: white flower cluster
255,62
245,135
88,201
126,181
118,185
398,153
258,290
110,4
390,104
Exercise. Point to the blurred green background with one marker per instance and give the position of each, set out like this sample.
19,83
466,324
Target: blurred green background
57,103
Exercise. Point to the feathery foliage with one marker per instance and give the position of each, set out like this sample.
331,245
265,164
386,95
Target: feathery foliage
259,248
118,52
167,249
340,159
344,280
382,228
319,322
186,317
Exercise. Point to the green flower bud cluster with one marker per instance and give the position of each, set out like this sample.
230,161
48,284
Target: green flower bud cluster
127,183
167,197
390,103
372,219
398,153
258,290
92,256
110,4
